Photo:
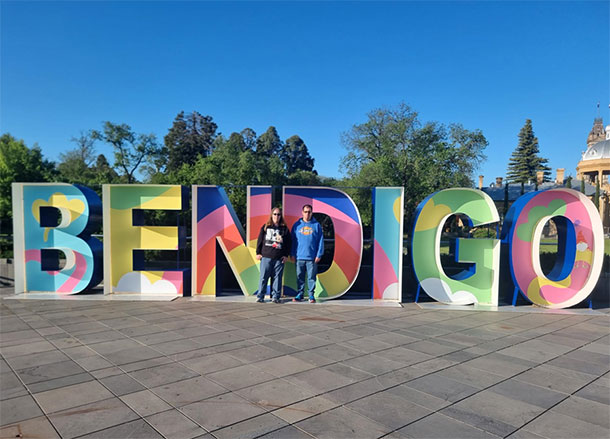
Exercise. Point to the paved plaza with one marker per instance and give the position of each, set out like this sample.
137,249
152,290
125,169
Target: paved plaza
189,369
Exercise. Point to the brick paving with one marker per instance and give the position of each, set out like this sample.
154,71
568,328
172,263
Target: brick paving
194,369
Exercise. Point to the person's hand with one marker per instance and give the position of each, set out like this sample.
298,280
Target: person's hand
317,260
284,259
259,257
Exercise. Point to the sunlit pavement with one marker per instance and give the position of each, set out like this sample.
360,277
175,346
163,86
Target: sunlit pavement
189,368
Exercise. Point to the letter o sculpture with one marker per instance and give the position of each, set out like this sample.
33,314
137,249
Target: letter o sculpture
580,250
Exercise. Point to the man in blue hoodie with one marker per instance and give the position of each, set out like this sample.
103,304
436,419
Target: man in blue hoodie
307,248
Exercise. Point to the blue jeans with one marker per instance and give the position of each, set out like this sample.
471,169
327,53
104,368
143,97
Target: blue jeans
309,268
271,267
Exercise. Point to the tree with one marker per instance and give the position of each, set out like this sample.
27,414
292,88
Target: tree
295,156
130,149
525,162
18,163
582,185
305,178
237,142
569,182
103,172
392,148
189,137
249,136
75,164
269,143
233,166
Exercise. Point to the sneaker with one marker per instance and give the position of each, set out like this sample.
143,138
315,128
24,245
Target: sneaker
260,300
312,300
276,301
297,300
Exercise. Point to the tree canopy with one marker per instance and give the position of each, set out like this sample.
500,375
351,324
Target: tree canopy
18,163
130,149
75,164
295,155
393,148
189,137
525,162
390,148
269,143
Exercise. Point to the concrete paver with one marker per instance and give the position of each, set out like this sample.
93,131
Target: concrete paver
443,427
194,369
32,428
71,396
558,425
138,429
145,403
174,425
342,423
222,411
89,418
17,409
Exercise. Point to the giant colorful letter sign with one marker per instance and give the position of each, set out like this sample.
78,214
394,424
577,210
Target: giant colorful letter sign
477,285
52,217
388,217
214,220
348,235
580,252
57,218
124,232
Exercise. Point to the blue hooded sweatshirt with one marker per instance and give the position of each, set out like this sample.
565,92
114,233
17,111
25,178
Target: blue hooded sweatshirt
307,240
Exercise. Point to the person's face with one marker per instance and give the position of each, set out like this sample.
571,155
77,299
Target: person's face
307,213
276,215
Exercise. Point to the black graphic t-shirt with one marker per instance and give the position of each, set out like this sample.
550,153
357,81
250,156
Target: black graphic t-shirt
273,242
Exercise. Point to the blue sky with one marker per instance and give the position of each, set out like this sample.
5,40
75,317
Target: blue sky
308,68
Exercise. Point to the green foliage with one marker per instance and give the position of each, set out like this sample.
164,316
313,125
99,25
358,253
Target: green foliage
295,156
525,162
569,182
232,163
74,165
18,163
237,142
269,143
582,185
81,166
484,232
249,136
189,137
130,149
305,178
103,172
392,148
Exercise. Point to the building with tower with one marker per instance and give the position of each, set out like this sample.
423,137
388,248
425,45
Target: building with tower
594,167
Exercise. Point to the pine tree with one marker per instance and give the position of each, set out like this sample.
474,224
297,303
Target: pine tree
525,162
